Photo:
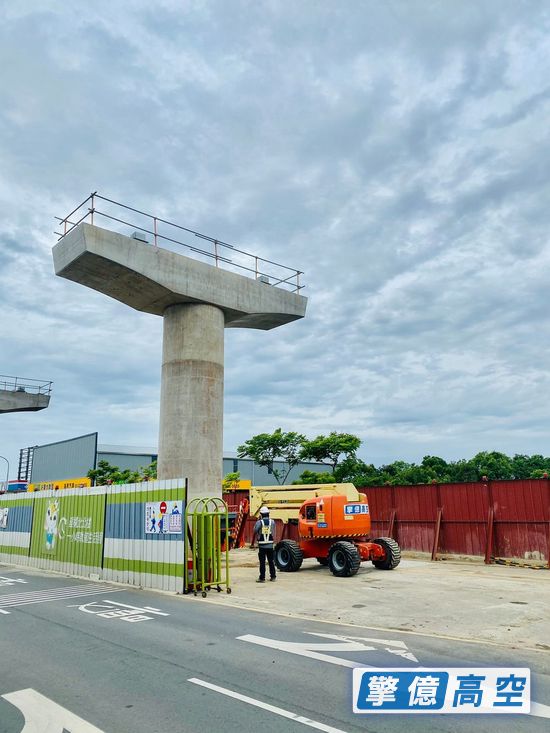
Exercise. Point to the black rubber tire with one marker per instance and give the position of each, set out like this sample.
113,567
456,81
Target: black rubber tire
393,554
344,559
322,561
288,556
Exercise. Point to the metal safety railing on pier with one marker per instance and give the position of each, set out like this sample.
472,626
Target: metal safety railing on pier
21,384
168,235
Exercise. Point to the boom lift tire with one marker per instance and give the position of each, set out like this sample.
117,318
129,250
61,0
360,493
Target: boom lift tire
344,559
393,554
288,556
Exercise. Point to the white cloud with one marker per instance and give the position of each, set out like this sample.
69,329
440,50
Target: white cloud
396,152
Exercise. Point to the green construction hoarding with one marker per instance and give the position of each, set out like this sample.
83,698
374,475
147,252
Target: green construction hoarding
69,529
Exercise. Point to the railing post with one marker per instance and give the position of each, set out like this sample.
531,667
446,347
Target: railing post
155,229
256,261
92,208
297,281
216,252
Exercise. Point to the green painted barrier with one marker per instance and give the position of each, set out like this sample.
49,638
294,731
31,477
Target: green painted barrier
67,530
204,522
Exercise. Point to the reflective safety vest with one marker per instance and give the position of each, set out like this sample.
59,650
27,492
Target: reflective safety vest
265,532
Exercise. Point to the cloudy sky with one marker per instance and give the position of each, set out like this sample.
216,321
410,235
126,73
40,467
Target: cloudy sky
397,152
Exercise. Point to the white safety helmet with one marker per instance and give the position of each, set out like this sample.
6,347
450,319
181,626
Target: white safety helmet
264,510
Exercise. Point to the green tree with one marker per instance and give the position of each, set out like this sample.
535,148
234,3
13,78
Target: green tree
266,448
330,448
231,480
492,464
107,474
312,477
103,474
349,469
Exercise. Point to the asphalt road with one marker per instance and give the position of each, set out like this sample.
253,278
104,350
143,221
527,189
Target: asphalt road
80,657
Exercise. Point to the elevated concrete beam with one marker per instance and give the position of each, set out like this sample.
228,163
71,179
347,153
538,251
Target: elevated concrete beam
14,401
151,279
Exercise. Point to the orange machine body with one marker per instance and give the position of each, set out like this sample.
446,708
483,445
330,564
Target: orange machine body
325,518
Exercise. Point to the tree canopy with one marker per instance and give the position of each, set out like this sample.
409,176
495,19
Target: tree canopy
338,451
330,448
105,473
266,448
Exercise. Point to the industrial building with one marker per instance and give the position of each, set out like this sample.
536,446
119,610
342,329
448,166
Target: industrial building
70,460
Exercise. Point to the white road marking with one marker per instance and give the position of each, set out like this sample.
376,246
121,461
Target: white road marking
10,581
121,611
42,715
311,650
306,649
149,609
266,706
539,710
340,644
400,649
13,600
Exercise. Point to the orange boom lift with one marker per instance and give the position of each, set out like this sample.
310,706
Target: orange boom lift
334,526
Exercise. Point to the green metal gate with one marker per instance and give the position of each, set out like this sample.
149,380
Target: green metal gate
204,519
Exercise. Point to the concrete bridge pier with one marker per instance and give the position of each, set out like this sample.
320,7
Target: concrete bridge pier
191,400
197,301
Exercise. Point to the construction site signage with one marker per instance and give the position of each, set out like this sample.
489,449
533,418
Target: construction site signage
163,517
70,483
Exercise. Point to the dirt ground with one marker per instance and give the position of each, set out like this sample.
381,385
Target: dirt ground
462,599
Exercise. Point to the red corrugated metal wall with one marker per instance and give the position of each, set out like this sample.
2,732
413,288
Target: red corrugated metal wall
520,517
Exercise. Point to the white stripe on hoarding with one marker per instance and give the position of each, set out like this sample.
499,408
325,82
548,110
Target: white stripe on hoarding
15,539
150,550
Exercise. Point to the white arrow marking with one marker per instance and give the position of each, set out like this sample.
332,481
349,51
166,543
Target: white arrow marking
44,716
314,651
401,650
539,710
350,644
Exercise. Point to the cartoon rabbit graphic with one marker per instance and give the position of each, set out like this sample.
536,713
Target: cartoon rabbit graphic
50,524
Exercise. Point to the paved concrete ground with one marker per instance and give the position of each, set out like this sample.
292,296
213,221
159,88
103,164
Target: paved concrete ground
187,665
468,600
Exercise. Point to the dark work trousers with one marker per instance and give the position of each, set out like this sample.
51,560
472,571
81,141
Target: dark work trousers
270,554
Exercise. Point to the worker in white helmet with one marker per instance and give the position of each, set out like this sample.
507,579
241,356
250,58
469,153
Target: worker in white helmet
264,532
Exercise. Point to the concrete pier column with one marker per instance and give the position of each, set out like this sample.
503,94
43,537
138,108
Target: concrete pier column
191,401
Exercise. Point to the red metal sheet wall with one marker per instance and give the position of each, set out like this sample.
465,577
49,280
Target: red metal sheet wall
521,510
521,516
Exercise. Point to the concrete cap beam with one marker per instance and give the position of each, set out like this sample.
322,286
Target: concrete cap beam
151,279
20,401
